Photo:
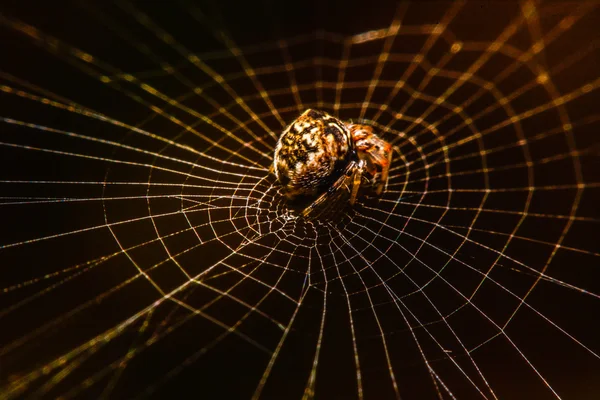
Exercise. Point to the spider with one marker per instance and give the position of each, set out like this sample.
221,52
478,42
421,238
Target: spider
317,154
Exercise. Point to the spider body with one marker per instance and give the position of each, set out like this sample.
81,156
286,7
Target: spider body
317,154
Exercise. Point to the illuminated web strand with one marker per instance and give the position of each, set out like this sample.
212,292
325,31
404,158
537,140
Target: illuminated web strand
486,276
537,137
91,228
485,247
572,59
57,363
420,290
320,37
246,276
359,385
512,118
528,239
268,369
392,295
110,143
476,135
519,59
531,214
75,270
501,330
129,356
57,45
387,45
507,212
121,363
77,362
110,335
145,21
185,363
73,107
224,37
95,158
86,265
286,330
537,274
528,164
109,183
342,64
309,389
165,297
384,342
100,261
53,200
170,256
237,270
508,32
578,176
324,61
170,70
500,190
530,11
289,68
226,294
520,165
165,247
436,32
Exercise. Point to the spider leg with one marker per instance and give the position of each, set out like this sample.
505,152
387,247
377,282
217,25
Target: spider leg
323,198
385,169
356,180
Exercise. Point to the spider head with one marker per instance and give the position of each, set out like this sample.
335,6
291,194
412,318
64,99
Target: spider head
375,153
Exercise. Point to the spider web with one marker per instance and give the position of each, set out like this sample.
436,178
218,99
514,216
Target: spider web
146,250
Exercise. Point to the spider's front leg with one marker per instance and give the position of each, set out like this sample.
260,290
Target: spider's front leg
356,181
352,176
323,198
385,168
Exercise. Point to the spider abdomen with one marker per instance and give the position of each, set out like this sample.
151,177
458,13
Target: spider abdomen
312,152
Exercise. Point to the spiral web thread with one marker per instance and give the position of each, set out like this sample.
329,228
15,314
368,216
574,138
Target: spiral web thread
146,249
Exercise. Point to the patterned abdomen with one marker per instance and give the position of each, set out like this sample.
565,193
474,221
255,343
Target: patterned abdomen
312,152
